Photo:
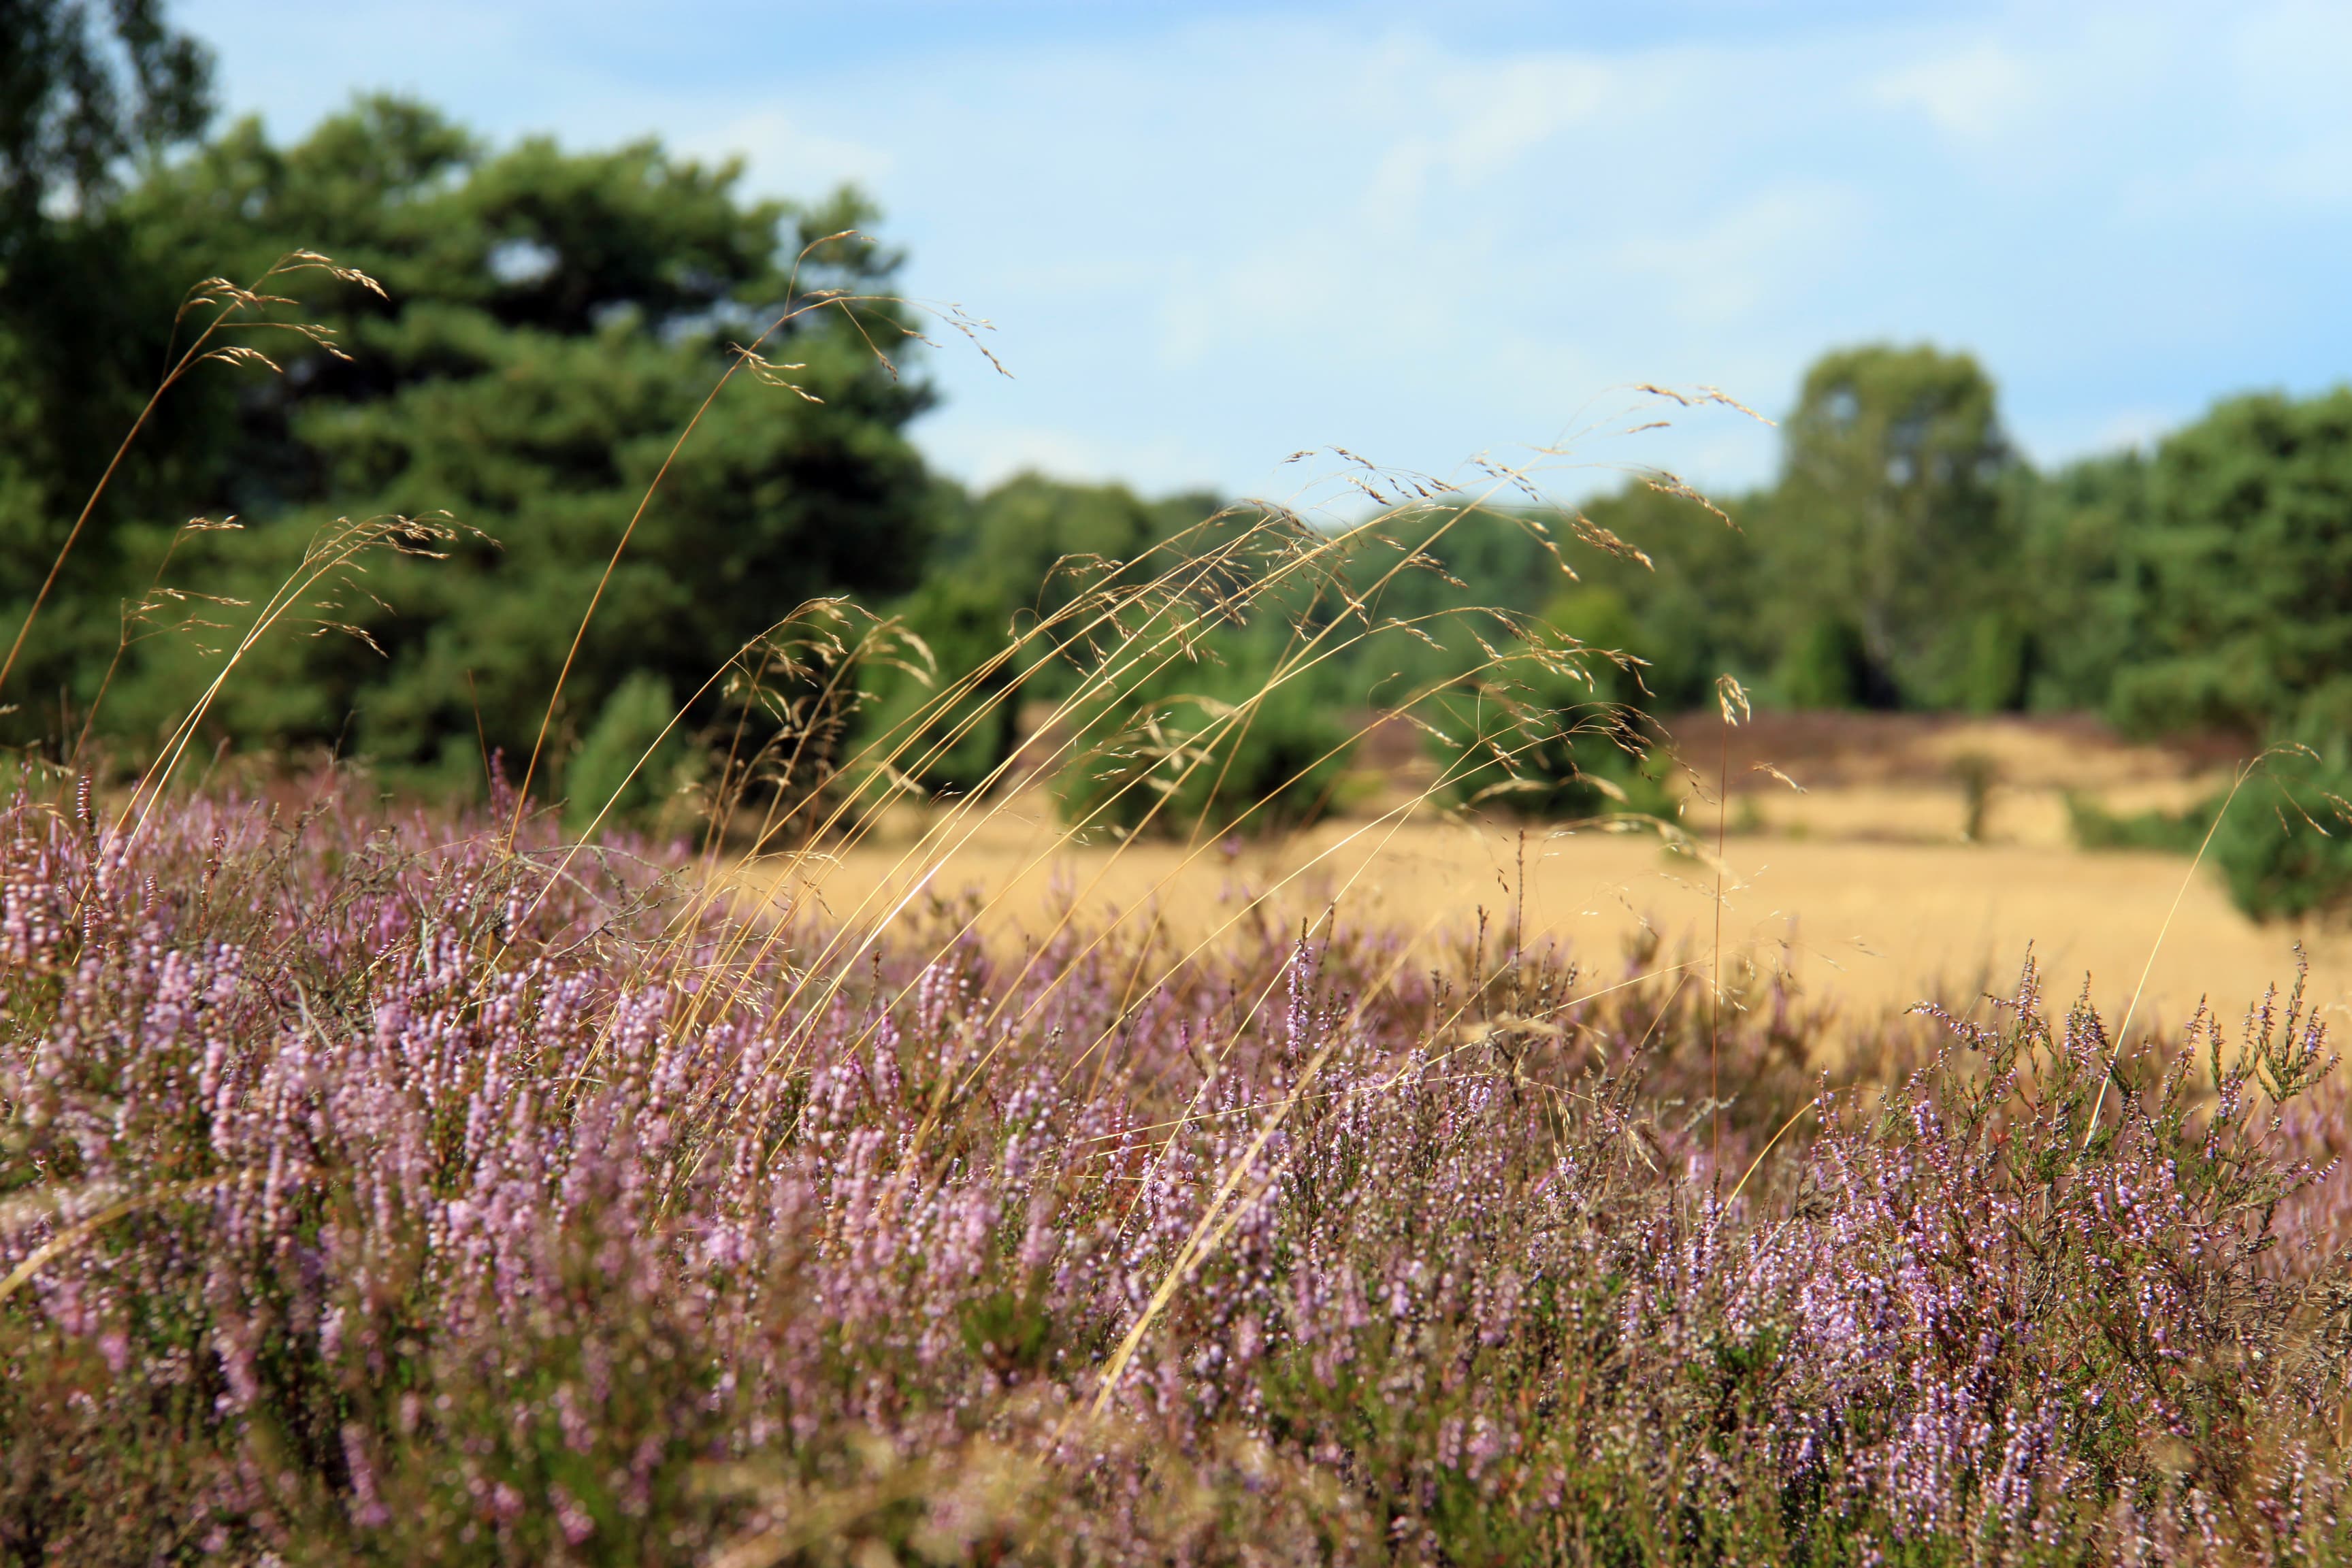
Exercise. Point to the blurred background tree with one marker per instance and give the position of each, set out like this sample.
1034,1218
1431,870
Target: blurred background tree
554,320
2242,560
89,100
1888,529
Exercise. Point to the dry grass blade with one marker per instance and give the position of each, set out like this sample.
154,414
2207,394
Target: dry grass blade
2197,861
744,355
233,307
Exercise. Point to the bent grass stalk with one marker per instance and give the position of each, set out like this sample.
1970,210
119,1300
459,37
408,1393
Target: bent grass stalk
1154,656
2122,1030
1135,649
1294,663
1180,636
232,309
324,558
744,356
1122,1401
86,1228
725,958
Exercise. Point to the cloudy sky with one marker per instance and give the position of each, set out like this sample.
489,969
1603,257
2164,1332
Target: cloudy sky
1210,234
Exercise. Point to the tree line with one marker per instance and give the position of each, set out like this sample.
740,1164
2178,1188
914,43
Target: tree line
549,319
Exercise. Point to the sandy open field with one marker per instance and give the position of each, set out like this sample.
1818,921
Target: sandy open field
1862,885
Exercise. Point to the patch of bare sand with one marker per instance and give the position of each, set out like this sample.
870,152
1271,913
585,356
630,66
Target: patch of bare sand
1875,925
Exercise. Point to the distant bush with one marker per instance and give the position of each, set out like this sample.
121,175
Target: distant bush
2285,846
1218,767
629,761
1999,667
1827,665
2242,560
1540,736
950,726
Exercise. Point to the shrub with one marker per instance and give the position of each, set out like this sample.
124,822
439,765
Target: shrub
2285,847
2282,846
1262,762
2242,567
1829,666
1998,670
2170,832
952,727
1539,737
630,760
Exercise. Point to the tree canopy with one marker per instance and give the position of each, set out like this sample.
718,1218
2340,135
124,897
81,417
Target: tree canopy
80,99
1887,507
2242,560
551,322
87,99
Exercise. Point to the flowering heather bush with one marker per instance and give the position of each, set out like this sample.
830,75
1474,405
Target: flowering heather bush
368,1193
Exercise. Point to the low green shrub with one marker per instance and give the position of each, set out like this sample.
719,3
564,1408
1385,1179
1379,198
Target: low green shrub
2285,846
630,760
948,729
1266,762
1546,737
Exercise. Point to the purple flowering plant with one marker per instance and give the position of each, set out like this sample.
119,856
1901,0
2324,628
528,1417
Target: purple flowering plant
369,1192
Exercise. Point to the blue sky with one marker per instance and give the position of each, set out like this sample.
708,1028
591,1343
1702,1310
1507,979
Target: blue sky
1210,234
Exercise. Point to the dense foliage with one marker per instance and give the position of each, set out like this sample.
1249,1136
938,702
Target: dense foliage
2245,557
554,319
368,1194
1889,524
549,323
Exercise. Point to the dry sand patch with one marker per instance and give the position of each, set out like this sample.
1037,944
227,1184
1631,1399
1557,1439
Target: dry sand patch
1873,924
1860,885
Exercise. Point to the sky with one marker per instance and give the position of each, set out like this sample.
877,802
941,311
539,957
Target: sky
1209,236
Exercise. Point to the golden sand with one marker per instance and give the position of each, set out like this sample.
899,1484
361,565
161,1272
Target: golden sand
1874,920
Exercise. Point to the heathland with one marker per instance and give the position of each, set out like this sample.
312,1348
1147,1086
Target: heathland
612,971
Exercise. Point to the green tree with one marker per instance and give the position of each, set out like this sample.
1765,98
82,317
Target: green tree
1001,562
1443,572
1691,601
77,103
630,759
1037,542
85,98
2073,594
948,729
1828,664
1211,746
2242,573
1889,514
1532,738
2285,852
554,320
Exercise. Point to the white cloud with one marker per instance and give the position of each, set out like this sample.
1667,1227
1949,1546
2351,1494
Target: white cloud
1733,262
1978,93
781,154
1510,109
984,453
2135,427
